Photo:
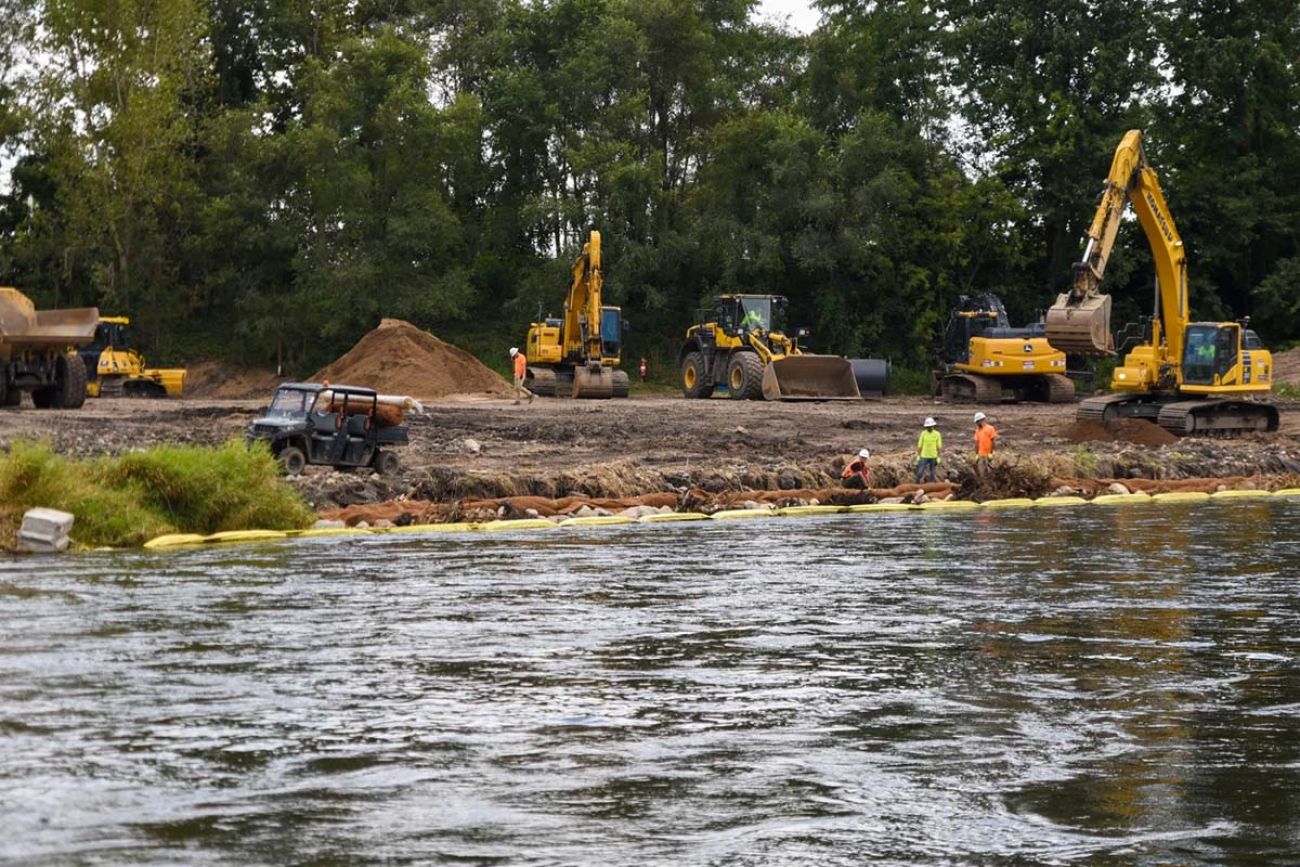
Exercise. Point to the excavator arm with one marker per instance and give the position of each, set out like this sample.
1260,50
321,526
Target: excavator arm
1079,321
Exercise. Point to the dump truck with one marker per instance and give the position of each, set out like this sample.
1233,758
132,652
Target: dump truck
115,368
985,360
1188,377
741,343
38,352
579,355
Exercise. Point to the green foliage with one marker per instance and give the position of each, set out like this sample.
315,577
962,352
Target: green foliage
127,500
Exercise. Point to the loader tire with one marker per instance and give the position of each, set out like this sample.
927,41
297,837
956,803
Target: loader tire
745,376
695,377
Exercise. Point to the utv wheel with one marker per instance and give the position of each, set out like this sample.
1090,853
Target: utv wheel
385,463
292,460
695,376
745,376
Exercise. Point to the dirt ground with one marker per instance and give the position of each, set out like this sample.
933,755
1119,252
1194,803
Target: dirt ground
653,438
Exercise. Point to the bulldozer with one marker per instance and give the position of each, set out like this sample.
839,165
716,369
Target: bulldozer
38,352
983,359
579,355
115,368
1189,377
741,344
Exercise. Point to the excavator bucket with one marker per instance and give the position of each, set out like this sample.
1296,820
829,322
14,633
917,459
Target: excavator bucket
591,381
810,377
1081,327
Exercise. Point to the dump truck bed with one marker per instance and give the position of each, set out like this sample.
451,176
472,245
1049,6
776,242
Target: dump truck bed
23,326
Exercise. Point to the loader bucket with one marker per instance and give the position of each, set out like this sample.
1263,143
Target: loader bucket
810,377
1081,327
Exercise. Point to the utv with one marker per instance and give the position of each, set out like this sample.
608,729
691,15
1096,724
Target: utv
338,425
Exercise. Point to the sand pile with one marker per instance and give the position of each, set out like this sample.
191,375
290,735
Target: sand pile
1286,366
216,380
1129,430
398,358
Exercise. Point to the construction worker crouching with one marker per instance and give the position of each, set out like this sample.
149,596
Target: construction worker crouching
985,434
928,447
856,473
521,371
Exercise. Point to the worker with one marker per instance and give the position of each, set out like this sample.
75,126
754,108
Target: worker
856,473
985,434
753,320
521,371
928,447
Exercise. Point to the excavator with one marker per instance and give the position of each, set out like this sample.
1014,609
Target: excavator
984,359
1189,377
579,354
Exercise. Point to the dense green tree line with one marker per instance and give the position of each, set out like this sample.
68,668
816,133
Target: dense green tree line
266,179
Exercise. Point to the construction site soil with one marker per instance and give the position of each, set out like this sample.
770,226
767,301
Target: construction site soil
484,448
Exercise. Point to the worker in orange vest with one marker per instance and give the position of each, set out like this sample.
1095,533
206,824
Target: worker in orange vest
521,371
856,473
985,434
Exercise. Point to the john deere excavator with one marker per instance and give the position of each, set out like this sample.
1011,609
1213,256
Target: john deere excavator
579,355
1190,377
741,343
985,360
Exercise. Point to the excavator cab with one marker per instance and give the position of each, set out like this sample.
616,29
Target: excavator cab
1210,352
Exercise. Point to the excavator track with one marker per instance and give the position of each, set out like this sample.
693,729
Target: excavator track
1221,417
1109,407
1060,389
541,381
969,387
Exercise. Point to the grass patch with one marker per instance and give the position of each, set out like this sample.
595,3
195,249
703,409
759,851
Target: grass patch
1286,390
125,501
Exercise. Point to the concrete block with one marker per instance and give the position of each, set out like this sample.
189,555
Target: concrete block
44,531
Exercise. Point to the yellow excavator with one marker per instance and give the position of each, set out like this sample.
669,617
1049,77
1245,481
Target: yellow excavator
1189,377
579,355
115,368
984,360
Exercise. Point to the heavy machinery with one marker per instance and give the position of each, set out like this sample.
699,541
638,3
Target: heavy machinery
741,343
37,352
115,368
579,354
985,360
1190,377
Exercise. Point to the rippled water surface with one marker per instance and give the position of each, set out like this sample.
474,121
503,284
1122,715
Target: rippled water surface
1082,686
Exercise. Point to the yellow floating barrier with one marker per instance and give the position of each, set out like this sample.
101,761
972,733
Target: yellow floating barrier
460,527
324,531
943,505
1239,495
1120,499
175,540
885,507
597,521
1180,497
1287,492
797,511
1009,503
245,536
1055,502
669,517
740,514
518,524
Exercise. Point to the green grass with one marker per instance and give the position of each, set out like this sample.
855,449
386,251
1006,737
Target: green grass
1286,390
125,501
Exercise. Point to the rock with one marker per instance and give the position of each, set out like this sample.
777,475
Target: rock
1064,491
601,513
751,504
920,497
741,431
666,510
531,513
383,524
44,531
890,501
814,502
328,525
1116,488
584,511
471,446
361,525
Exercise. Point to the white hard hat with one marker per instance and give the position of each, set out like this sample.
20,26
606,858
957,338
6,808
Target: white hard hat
979,416
864,454
929,422
514,350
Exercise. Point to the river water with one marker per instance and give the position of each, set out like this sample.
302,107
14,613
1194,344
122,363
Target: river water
1076,686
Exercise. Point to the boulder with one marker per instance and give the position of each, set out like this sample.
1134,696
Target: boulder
1117,488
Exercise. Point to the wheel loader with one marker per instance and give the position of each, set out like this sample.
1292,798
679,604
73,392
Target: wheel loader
985,360
578,355
38,352
115,368
741,344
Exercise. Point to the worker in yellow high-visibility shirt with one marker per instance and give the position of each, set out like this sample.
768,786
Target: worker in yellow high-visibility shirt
928,447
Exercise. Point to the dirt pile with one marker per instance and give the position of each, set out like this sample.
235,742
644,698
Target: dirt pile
216,380
398,358
1286,366
1137,431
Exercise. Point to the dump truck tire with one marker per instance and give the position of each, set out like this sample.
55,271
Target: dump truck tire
695,377
745,376
292,460
70,388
